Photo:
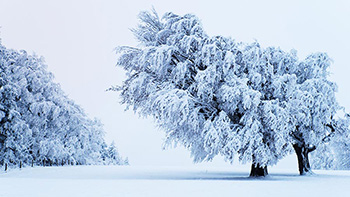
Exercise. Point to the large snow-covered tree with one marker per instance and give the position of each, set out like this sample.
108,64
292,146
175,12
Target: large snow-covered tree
218,96
39,124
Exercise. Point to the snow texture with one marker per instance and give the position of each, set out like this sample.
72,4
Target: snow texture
108,181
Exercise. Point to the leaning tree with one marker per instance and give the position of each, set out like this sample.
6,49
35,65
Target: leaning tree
214,95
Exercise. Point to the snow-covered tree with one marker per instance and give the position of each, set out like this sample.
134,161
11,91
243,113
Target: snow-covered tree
111,156
39,124
217,96
314,106
334,152
207,93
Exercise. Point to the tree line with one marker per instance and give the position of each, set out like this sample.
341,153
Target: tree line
39,124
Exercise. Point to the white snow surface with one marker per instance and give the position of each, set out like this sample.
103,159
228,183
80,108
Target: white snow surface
141,181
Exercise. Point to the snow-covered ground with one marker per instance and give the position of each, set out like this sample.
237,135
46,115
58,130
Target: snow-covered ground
201,181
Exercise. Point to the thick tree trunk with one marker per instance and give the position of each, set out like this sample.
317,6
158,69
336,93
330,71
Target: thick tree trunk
302,152
258,171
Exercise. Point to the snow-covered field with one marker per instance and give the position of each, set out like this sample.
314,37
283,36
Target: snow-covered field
167,181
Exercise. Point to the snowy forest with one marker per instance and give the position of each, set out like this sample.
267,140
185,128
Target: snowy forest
39,124
216,96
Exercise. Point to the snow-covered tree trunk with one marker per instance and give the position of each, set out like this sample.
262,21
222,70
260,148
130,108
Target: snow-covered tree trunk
257,170
302,151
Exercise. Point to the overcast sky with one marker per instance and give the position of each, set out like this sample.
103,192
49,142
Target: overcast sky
77,39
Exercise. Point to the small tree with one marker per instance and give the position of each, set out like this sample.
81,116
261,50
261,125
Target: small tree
312,108
334,152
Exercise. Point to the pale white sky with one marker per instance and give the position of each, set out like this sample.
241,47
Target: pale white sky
77,39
